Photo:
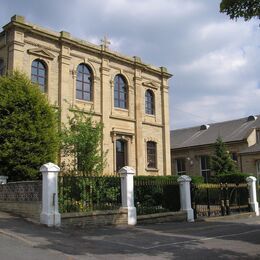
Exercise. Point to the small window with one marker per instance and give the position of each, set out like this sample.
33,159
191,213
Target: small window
120,92
1,67
39,74
84,89
149,102
180,166
234,156
258,136
205,167
151,155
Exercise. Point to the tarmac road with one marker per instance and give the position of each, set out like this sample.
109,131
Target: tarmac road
218,239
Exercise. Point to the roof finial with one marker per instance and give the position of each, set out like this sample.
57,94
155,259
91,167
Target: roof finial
105,43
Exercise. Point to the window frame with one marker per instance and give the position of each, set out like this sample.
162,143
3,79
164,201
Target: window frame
205,173
43,87
183,166
120,88
151,155
149,102
86,72
257,136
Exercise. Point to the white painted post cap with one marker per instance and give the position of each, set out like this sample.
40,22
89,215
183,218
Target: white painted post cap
49,167
184,178
127,170
251,179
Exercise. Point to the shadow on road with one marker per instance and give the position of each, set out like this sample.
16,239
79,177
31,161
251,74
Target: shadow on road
213,240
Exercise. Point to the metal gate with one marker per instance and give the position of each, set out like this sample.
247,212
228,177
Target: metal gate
219,199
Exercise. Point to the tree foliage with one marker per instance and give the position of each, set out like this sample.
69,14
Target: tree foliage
81,144
221,161
246,9
28,132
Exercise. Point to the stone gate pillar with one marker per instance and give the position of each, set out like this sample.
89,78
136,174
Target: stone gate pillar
251,181
50,215
127,193
185,196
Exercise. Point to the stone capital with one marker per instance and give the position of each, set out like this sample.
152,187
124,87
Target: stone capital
127,170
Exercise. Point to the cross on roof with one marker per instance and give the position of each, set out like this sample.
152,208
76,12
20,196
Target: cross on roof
105,42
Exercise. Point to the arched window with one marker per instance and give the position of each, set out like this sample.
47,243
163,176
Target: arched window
39,74
120,92
151,155
1,67
149,102
84,89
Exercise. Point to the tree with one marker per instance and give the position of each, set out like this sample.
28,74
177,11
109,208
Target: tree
241,8
28,130
221,161
81,144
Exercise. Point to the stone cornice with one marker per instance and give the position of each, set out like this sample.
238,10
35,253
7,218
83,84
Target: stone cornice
64,37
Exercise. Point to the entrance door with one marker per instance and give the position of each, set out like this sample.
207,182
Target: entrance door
121,154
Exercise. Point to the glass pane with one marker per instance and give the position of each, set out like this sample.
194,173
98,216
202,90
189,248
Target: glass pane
86,87
79,76
40,65
42,73
35,63
80,68
34,71
116,103
79,94
122,104
122,96
41,81
86,78
86,96
79,85
34,79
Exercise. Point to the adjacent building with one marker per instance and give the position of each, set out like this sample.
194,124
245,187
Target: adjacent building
128,96
192,147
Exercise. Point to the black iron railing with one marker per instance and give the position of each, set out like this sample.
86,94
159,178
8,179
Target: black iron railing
156,195
219,199
89,193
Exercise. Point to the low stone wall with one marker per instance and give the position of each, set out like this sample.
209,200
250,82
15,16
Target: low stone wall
179,216
108,217
27,209
22,198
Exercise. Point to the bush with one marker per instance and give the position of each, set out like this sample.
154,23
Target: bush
28,132
229,178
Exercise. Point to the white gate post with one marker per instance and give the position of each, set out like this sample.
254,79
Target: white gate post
127,193
185,196
251,181
50,215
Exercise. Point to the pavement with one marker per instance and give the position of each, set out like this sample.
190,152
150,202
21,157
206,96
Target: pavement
219,238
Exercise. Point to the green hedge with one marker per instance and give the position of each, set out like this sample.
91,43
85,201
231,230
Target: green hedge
229,178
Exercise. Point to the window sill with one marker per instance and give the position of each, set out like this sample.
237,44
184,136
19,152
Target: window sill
121,109
85,101
152,169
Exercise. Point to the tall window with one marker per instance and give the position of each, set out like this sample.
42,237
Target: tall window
120,92
149,102
205,167
180,166
84,83
39,74
151,155
1,67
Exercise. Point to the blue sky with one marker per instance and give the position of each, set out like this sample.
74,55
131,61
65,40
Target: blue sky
215,61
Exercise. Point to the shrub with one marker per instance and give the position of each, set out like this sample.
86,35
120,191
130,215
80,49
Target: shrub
28,132
229,178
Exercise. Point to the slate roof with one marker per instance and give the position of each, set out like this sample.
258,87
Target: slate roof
229,131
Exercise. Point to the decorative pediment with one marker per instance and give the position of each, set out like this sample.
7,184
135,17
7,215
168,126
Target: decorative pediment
41,52
150,84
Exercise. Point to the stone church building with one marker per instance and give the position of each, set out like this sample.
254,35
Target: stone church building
128,96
